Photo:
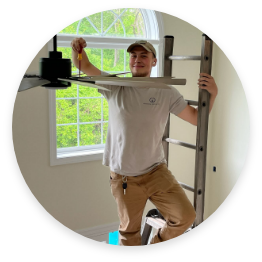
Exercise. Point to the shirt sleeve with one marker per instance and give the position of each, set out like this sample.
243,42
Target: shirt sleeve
177,102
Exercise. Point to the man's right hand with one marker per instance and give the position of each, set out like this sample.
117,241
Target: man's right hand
77,43
86,67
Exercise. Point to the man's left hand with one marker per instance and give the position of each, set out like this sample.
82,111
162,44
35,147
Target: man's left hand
207,82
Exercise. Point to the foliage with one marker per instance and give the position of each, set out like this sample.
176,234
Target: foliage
82,112
118,23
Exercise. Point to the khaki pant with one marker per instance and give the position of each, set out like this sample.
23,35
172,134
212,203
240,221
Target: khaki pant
162,189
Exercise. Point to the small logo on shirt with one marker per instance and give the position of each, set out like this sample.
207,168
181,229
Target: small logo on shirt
152,101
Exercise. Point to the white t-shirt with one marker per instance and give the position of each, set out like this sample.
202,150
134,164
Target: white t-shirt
137,120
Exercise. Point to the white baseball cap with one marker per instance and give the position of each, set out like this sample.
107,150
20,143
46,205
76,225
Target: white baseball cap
144,44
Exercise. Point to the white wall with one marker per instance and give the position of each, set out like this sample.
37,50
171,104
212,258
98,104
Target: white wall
228,134
78,195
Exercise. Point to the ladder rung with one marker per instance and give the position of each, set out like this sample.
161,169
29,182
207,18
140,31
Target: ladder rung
177,57
187,187
159,223
155,222
191,102
180,143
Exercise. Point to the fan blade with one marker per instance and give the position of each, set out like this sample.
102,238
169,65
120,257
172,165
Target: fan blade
84,83
118,74
139,84
93,82
163,80
31,82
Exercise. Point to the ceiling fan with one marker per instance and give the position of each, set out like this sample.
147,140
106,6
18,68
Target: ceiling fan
55,73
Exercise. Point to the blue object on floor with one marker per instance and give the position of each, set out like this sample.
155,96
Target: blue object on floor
113,238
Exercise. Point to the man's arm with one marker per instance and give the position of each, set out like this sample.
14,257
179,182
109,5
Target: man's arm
86,66
207,82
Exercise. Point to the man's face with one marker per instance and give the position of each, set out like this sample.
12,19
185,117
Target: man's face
141,62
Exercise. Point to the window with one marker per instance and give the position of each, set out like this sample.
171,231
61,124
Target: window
79,115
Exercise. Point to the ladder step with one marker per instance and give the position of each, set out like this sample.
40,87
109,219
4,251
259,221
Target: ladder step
159,223
187,187
180,143
177,57
155,222
193,103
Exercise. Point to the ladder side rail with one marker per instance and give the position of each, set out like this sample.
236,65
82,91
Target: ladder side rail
146,233
202,132
167,71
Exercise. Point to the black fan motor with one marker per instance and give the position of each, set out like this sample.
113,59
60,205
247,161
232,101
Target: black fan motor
55,67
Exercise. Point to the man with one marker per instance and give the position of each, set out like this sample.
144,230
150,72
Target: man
134,152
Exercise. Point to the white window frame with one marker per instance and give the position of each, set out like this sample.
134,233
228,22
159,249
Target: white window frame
154,30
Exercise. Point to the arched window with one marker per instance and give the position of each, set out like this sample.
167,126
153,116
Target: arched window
79,115
112,23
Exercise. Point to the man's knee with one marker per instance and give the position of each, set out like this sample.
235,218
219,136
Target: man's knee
130,238
189,217
185,219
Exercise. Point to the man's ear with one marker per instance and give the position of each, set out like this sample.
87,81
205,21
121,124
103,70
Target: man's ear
154,62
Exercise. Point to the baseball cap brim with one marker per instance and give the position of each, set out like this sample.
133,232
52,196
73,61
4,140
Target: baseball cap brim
143,45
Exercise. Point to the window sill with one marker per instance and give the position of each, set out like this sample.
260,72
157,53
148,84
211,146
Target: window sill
77,157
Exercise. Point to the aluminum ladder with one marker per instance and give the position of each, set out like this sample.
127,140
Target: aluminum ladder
154,218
